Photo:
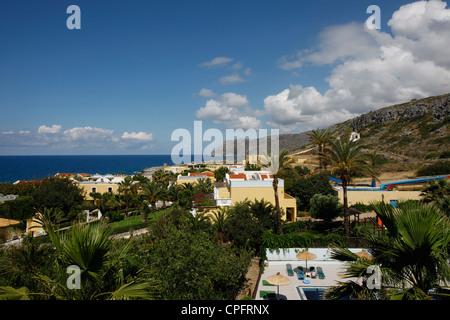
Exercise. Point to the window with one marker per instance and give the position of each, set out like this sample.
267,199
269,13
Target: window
110,189
94,190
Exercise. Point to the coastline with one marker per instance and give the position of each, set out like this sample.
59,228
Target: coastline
148,172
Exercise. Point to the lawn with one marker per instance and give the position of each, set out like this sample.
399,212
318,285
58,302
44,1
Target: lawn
133,222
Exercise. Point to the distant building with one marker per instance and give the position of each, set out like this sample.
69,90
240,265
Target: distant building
8,197
253,185
355,136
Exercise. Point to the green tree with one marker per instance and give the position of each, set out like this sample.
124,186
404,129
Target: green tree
204,186
304,188
346,160
151,192
103,263
435,190
220,173
413,257
321,137
375,160
126,189
279,166
57,193
219,219
325,207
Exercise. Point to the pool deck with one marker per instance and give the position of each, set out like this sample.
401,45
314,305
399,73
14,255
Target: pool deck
331,270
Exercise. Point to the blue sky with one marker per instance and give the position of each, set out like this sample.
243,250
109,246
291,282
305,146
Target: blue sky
137,70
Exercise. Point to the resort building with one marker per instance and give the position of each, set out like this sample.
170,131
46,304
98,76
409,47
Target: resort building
100,184
390,192
194,177
253,185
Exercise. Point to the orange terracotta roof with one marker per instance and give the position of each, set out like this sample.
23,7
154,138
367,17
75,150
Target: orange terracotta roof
72,174
204,173
238,176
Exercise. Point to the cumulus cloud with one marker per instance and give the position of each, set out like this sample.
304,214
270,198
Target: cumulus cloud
231,79
87,133
206,93
216,62
78,138
53,129
371,68
231,110
143,136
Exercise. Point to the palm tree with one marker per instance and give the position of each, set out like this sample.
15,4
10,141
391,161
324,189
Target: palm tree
264,212
321,137
152,192
204,186
346,160
374,159
279,166
435,190
126,188
49,218
219,219
101,261
413,257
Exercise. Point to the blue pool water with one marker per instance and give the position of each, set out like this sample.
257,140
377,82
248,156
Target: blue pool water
314,293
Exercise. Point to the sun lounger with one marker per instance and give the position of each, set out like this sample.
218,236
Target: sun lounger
263,293
265,283
320,273
312,271
289,270
300,273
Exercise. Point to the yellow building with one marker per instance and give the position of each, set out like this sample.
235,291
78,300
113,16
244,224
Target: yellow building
369,196
97,187
253,185
193,177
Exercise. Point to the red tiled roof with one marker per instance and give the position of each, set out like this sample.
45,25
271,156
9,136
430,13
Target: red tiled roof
72,174
204,173
266,176
238,176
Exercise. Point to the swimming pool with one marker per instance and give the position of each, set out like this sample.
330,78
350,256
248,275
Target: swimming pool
311,293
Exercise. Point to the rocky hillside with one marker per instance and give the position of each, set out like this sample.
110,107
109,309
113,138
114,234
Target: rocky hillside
408,134
411,132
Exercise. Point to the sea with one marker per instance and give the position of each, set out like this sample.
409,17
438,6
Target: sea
13,168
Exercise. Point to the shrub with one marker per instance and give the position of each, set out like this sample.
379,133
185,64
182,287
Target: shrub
325,207
444,154
440,167
20,208
303,189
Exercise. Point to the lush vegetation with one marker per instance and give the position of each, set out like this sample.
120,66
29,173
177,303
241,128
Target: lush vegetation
204,255
437,168
412,257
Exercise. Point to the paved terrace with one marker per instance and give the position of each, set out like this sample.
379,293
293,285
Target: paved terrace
276,262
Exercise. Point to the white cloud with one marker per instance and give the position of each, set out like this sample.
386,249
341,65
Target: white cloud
53,129
216,62
206,93
143,136
371,68
231,110
231,79
8,132
78,139
88,133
